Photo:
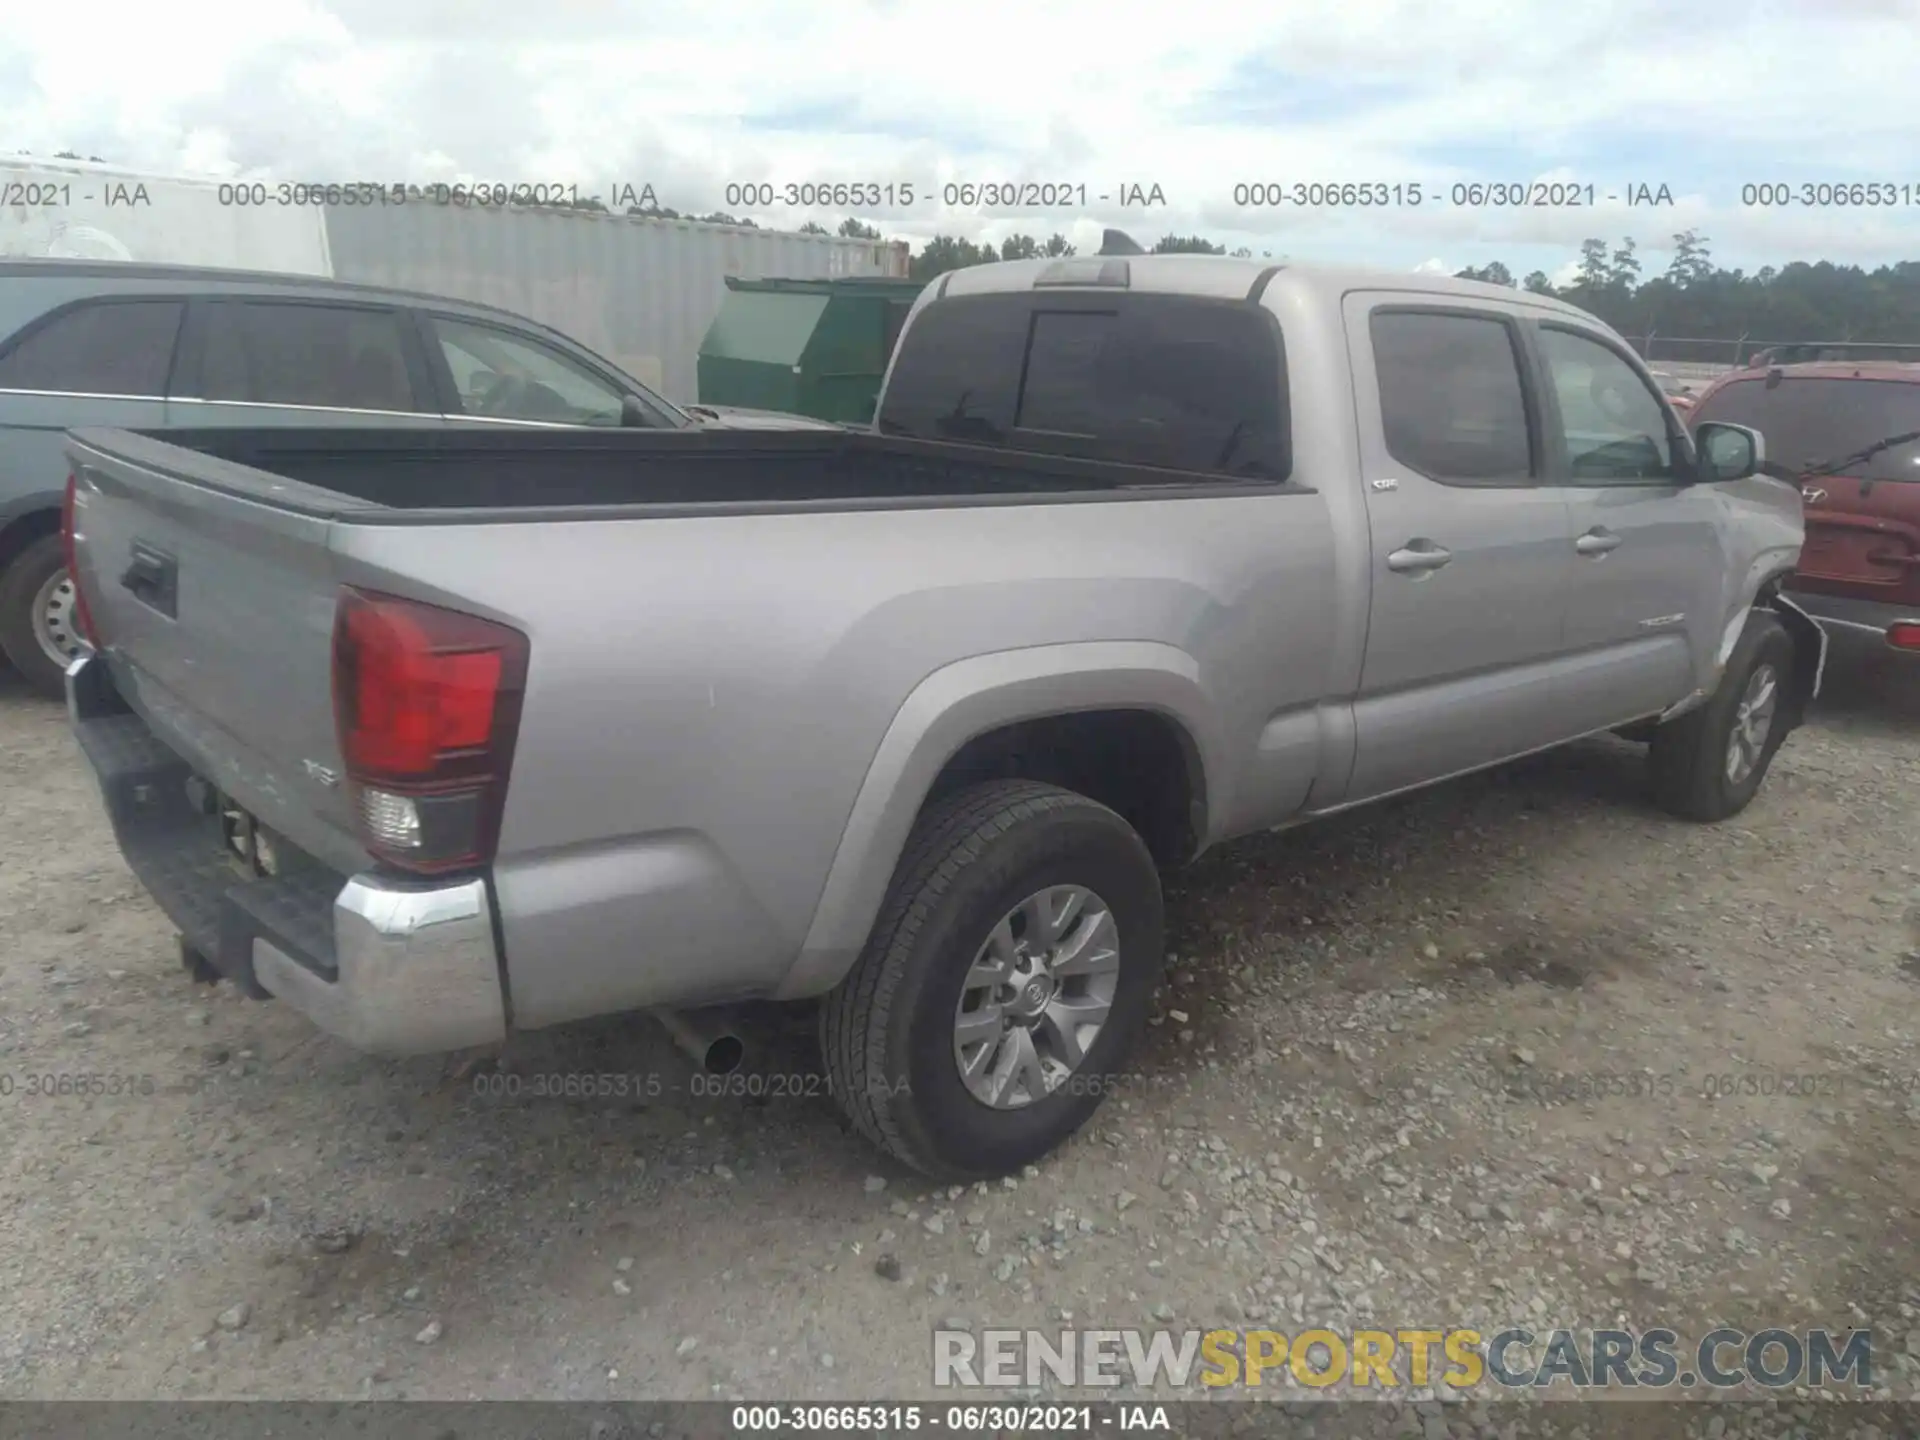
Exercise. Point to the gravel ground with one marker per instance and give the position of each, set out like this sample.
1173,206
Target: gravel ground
1367,1099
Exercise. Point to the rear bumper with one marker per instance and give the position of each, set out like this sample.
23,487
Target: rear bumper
1857,622
391,966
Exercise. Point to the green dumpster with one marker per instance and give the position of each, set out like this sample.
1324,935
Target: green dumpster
809,347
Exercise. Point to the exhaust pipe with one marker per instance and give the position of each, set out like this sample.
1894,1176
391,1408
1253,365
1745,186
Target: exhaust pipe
707,1037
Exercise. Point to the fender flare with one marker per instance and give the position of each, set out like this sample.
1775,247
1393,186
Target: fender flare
1810,647
953,705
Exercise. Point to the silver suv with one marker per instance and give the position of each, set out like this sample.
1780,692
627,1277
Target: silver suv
149,346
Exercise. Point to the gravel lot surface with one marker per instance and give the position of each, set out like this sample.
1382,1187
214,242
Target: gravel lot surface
1393,1081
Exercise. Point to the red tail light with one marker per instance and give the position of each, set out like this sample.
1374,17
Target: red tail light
1904,635
83,617
426,702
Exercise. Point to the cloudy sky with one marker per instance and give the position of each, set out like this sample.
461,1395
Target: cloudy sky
1193,98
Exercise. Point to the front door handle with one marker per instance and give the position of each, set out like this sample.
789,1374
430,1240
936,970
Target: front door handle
1418,556
1597,541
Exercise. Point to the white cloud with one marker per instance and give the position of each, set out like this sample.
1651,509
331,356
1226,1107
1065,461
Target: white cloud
690,96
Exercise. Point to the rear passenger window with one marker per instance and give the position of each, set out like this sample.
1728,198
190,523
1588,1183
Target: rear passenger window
122,347
331,356
1168,381
1451,400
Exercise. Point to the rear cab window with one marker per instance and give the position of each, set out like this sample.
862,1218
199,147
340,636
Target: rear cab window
1809,419
111,347
1174,382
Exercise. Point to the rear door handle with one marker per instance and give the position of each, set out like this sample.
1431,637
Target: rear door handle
1597,541
1417,557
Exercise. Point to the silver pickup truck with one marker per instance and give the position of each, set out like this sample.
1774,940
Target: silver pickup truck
434,736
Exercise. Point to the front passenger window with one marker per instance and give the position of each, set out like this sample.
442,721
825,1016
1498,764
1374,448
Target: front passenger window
498,375
1613,425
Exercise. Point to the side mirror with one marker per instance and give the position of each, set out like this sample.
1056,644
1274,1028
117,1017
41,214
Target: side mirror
1728,452
634,415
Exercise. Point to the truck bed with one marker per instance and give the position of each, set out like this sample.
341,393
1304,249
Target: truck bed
480,471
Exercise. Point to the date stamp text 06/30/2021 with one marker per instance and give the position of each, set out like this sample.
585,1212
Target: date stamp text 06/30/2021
492,1084
1262,194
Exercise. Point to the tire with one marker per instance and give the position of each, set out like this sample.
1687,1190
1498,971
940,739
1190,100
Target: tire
199,969
1690,757
888,1032
20,589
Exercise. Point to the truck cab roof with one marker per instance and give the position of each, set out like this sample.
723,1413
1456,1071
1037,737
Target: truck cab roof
1226,277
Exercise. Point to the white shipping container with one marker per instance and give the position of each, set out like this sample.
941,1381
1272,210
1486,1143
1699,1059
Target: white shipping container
642,292
76,210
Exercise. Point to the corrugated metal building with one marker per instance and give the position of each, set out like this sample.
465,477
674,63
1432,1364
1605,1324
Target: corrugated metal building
642,292
80,210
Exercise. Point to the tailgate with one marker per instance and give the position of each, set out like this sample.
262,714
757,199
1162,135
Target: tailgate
1865,536
212,592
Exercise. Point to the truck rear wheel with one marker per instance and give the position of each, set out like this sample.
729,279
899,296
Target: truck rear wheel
1708,764
37,624
1010,970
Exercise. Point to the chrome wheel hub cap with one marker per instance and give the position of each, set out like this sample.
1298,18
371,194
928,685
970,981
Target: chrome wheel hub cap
1036,996
55,624
1752,724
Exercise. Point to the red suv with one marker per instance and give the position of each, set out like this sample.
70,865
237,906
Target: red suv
1849,434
